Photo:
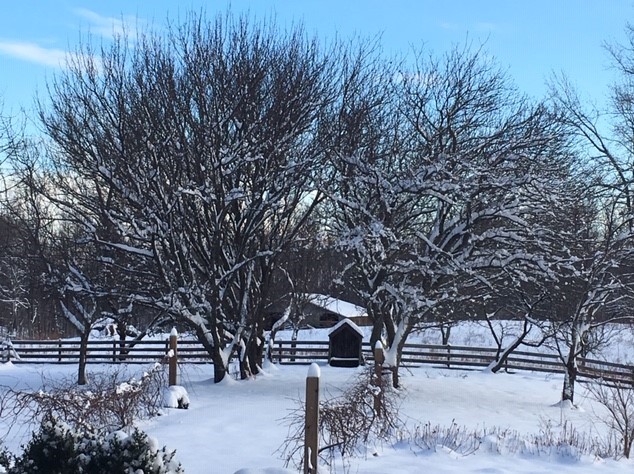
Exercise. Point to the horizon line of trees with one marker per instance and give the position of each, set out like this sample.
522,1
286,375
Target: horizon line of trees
199,175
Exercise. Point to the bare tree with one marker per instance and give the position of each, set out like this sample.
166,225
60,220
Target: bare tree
77,273
528,325
204,145
23,298
14,277
13,290
441,190
597,291
599,234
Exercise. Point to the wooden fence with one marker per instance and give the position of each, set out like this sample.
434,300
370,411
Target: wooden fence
67,351
460,357
303,352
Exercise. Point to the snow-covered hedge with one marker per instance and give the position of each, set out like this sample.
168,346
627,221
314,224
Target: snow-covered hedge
58,449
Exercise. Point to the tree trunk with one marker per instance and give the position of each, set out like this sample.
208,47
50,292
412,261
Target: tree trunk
215,351
294,341
243,359
568,392
570,377
257,348
256,354
276,327
83,353
122,331
220,370
396,383
377,327
445,332
251,360
503,355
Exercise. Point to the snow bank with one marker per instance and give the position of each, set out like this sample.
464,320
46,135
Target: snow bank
175,396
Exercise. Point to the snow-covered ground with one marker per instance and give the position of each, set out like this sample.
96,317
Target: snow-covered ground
239,426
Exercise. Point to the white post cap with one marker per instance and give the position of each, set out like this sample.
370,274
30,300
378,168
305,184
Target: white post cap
314,371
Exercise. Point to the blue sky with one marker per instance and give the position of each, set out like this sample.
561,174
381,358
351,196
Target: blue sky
532,38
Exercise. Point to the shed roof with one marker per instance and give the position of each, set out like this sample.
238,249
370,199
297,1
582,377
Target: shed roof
337,327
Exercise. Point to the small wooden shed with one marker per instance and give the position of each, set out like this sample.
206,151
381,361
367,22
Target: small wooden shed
344,348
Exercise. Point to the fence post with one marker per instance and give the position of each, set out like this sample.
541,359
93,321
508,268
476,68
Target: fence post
59,346
311,433
114,350
172,357
379,358
293,349
449,356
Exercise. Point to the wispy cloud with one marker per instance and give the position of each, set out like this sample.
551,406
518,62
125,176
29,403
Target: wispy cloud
108,26
105,26
34,53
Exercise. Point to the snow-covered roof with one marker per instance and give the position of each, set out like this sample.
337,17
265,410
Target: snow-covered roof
337,306
349,323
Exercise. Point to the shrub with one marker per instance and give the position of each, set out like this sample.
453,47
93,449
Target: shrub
5,459
562,442
617,399
118,452
51,450
58,449
365,412
108,403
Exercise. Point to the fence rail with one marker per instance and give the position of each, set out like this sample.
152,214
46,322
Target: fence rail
448,356
304,352
67,351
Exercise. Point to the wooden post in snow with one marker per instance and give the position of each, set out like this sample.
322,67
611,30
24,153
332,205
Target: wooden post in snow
449,356
379,359
172,358
311,430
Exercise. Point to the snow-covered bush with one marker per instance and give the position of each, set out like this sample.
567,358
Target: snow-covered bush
58,449
5,459
134,453
107,403
52,449
175,396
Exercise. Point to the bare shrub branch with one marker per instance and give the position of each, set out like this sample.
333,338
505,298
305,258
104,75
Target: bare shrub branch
347,422
108,403
618,400
460,440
